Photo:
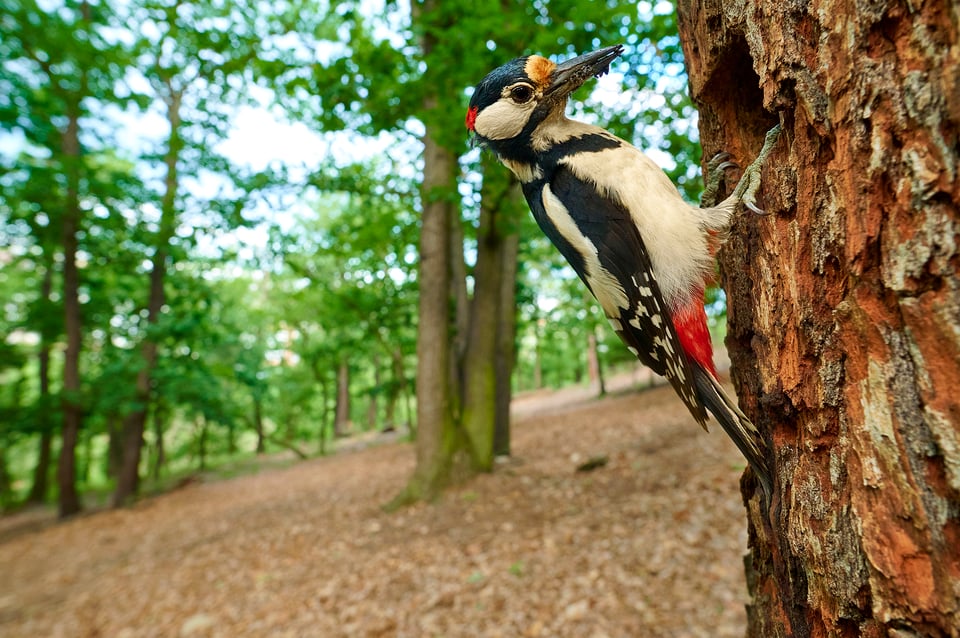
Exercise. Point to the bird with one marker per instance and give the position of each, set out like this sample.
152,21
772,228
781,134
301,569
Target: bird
641,249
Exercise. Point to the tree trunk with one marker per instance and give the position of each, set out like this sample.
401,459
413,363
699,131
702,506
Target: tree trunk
506,355
128,480
69,499
538,325
483,329
461,309
258,422
594,367
844,303
159,420
341,419
114,427
41,471
373,407
202,442
437,435
6,484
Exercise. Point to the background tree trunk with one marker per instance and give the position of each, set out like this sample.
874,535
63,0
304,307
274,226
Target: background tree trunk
844,303
436,431
507,333
41,471
484,326
69,498
128,481
341,418
594,366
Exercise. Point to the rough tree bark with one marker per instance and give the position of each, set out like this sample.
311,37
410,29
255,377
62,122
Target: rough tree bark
844,302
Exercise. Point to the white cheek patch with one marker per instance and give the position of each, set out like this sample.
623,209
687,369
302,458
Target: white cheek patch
503,119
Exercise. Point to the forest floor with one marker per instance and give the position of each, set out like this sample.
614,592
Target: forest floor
651,544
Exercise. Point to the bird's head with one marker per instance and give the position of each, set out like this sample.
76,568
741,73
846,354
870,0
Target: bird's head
515,98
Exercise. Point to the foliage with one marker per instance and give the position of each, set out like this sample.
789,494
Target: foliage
275,273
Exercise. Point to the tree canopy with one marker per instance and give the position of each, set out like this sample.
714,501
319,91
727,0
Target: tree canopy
169,303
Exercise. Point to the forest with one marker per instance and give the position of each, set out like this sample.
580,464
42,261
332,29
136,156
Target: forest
282,351
210,218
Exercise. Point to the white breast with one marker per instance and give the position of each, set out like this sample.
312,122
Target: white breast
672,230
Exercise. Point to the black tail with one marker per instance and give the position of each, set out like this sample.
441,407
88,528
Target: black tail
738,427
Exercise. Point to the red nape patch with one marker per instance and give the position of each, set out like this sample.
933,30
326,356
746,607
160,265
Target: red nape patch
471,117
691,326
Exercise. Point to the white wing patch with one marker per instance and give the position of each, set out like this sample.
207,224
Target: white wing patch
608,291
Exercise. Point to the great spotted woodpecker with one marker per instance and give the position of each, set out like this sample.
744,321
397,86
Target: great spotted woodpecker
622,225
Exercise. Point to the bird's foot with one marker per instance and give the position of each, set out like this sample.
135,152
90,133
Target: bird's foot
746,190
716,172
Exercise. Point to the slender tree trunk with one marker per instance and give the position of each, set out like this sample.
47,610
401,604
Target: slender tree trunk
159,423
202,442
69,499
41,471
439,439
506,356
844,303
114,427
133,425
341,419
258,422
436,431
461,310
479,362
373,408
396,390
231,437
6,485
538,353
594,367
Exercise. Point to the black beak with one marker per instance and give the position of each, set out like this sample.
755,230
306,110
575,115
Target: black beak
570,75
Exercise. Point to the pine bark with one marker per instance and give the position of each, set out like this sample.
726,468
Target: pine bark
844,302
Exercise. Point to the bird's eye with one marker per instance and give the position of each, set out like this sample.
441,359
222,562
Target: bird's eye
521,94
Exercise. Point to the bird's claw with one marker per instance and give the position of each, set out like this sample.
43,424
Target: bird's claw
746,190
719,162
716,168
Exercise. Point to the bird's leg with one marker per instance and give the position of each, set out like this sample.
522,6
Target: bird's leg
746,190
716,170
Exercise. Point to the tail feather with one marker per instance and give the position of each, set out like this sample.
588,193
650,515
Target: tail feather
738,427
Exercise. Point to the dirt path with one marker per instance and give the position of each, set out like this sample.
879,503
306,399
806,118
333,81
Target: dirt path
649,545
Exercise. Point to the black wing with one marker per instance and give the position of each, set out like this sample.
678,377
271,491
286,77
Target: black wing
643,321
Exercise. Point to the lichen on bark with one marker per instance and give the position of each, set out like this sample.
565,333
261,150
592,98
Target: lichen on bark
844,303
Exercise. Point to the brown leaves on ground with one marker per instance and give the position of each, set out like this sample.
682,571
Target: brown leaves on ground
649,545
